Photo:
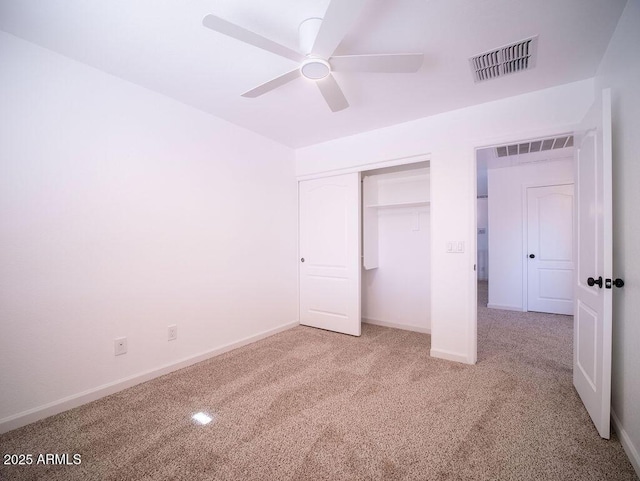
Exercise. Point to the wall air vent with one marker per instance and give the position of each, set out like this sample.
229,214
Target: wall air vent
505,60
533,146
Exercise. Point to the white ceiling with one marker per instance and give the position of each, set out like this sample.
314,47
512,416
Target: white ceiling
163,46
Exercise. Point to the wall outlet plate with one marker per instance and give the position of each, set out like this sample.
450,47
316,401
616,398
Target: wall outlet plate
120,346
173,332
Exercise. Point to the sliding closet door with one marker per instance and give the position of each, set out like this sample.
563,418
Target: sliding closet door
330,253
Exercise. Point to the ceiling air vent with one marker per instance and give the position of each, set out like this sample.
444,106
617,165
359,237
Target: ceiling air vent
505,60
539,145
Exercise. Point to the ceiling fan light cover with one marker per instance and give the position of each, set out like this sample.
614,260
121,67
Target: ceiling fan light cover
315,69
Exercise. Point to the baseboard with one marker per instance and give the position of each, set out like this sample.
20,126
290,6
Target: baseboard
449,356
504,307
35,414
404,327
626,442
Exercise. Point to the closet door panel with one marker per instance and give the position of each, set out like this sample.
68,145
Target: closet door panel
329,210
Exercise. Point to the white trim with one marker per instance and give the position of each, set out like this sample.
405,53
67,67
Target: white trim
525,246
450,356
412,159
40,412
298,246
472,322
505,307
395,325
626,442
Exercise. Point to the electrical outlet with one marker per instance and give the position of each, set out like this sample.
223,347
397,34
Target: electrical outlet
120,346
173,332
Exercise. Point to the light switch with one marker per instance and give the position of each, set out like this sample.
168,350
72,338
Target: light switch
455,247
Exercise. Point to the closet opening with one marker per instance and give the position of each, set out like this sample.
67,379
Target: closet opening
396,250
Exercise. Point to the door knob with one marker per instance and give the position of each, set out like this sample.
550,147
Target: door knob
592,282
302,260
618,283
532,256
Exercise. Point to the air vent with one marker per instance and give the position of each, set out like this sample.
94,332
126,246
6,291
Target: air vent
539,145
505,60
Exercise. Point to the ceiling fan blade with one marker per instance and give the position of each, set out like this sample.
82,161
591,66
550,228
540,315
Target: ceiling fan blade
337,20
272,84
332,93
232,30
382,63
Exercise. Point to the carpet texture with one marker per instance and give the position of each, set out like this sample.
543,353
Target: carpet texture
308,404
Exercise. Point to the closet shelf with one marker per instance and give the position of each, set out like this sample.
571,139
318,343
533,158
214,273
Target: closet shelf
399,204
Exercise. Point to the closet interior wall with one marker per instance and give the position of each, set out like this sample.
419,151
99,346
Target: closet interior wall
396,248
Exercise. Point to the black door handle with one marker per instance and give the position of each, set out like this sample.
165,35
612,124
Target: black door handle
302,260
592,282
532,256
618,283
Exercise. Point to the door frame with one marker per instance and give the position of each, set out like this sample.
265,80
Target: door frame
525,235
365,167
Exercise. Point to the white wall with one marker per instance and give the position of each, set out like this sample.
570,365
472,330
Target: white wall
397,292
620,70
451,139
507,186
121,212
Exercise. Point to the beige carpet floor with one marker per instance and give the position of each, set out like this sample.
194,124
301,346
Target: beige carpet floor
308,404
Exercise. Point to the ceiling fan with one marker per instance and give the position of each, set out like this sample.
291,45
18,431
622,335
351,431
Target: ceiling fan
319,37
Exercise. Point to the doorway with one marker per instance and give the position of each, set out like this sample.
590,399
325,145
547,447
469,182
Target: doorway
525,208
594,279
396,273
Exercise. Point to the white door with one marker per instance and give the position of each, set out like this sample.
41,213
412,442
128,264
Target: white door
592,315
550,249
330,253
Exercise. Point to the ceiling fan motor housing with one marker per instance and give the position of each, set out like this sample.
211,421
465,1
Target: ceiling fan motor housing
313,68
307,32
